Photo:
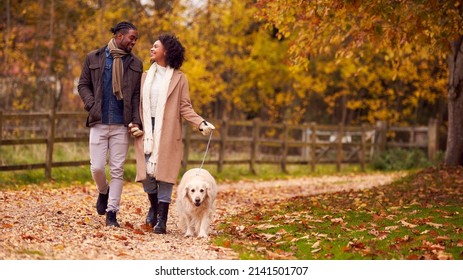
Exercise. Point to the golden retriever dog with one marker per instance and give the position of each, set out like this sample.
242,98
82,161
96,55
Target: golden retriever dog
195,202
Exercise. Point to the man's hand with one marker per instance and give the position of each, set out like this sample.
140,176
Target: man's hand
135,130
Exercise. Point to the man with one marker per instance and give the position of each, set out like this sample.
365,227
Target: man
109,86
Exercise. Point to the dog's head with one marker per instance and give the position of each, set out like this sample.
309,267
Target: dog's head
197,191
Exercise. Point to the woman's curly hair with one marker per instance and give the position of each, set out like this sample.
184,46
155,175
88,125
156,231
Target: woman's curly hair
175,52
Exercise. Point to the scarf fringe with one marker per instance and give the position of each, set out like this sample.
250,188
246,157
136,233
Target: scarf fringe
150,168
148,145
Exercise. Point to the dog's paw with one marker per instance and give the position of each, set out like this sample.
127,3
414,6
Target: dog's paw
202,235
188,234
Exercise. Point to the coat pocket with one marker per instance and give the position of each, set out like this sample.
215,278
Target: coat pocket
134,74
95,73
135,68
132,80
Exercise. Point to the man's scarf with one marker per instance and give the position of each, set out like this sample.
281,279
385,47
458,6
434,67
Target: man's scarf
118,70
152,138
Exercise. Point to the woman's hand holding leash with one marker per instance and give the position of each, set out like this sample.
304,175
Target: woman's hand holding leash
206,128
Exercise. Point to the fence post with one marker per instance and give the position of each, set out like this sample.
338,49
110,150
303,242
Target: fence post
363,147
1,126
223,140
339,148
50,143
412,136
433,139
254,145
381,128
285,148
186,147
313,146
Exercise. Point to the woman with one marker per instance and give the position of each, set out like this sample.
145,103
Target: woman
164,100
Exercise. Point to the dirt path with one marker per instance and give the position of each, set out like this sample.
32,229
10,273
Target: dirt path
63,224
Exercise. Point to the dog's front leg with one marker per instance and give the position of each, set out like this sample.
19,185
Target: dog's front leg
204,227
189,227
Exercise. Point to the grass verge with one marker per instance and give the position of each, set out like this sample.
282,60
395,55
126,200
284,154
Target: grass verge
416,218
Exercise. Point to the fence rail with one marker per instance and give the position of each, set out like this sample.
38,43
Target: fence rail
237,142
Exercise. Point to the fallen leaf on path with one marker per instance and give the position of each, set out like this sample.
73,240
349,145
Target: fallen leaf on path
404,223
391,228
266,226
316,250
434,225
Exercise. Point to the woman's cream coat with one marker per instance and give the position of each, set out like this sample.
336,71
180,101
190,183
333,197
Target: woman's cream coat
178,106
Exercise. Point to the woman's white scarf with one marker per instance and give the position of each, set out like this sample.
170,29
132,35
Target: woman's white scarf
151,139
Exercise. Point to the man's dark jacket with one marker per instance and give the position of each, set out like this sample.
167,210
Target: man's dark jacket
91,86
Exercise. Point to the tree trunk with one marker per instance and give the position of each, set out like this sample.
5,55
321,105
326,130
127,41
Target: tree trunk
454,152
7,34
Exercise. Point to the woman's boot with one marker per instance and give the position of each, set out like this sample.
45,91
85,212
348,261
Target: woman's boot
163,210
151,218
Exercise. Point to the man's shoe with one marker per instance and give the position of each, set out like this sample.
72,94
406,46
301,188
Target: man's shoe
111,219
102,203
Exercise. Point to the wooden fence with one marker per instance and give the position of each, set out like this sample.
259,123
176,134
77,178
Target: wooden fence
233,142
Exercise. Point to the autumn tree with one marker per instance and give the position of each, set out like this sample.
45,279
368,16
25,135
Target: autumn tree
317,27
368,87
35,50
237,65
